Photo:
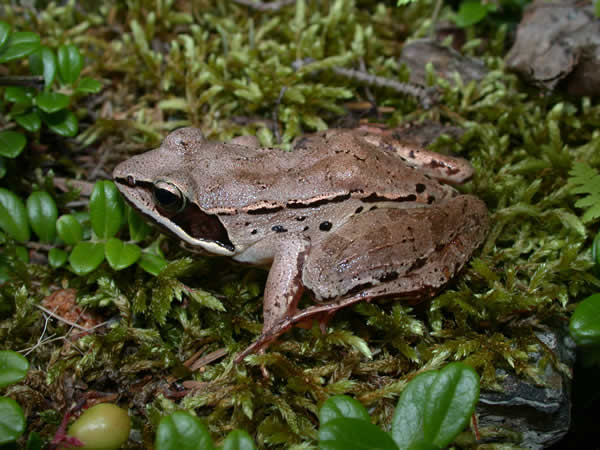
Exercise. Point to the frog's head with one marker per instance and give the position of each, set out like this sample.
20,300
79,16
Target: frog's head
161,185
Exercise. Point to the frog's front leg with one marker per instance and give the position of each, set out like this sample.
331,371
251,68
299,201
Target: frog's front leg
282,292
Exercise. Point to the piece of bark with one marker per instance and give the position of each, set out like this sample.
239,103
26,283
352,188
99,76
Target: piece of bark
558,42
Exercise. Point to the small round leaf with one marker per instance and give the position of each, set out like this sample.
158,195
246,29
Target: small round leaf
238,440
13,367
70,63
86,256
407,422
342,406
356,434
57,257
69,229
42,213
12,420
43,62
12,143
450,403
4,34
13,216
120,254
180,431
106,209
30,121
64,123
18,94
585,322
89,86
153,264
138,228
19,45
51,102
470,12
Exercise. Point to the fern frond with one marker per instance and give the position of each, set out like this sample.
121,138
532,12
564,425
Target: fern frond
586,180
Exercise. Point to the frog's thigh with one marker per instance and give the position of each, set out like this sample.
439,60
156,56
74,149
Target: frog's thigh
403,251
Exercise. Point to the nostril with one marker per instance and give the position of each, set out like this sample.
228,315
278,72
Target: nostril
130,181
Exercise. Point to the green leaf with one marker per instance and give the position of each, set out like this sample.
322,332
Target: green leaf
57,257
13,367
2,167
89,86
470,12
106,209
12,420
64,123
4,34
19,45
34,442
138,228
120,254
69,229
585,322
42,213
30,121
450,403
206,299
407,422
153,264
597,8
583,179
182,431
238,440
342,406
12,143
596,248
18,94
355,434
70,63
51,102
43,62
86,256
13,216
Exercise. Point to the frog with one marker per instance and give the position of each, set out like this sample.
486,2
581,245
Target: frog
346,216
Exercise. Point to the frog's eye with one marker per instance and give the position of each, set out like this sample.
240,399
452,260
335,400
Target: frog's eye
168,197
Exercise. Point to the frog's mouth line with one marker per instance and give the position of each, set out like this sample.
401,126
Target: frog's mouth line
199,230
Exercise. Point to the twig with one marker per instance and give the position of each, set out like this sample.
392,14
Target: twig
426,96
36,81
62,319
260,6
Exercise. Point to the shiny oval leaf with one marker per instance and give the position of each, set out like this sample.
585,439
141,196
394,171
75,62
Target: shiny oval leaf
69,229
13,216
356,434
64,123
70,63
18,94
138,228
12,420
19,45
13,367
585,322
342,406
407,422
470,12
182,431
51,102
12,143
30,121
153,264
43,62
450,403
106,209
4,34
238,440
42,213
89,86
120,254
57,257
86,256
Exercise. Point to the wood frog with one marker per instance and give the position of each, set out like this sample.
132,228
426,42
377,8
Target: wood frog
347,215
